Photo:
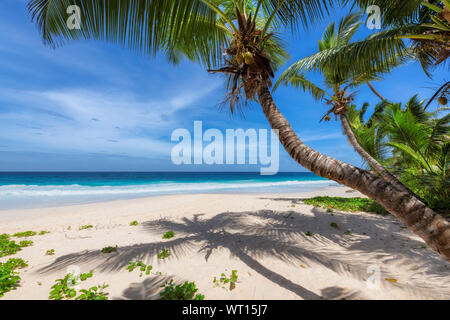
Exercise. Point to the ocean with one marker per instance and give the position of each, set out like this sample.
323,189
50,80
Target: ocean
45,189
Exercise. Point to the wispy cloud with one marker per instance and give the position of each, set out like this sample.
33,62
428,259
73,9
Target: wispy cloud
90,121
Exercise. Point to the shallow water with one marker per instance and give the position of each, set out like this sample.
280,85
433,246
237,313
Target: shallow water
38,189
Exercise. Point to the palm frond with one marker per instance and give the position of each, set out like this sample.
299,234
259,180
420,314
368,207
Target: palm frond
300,81
187,26
294,14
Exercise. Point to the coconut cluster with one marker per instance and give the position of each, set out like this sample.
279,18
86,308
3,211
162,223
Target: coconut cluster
246,61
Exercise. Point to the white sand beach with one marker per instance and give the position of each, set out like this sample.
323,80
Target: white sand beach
261,236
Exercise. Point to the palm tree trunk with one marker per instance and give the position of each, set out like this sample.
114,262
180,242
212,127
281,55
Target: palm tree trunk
423,221
367,157
375,91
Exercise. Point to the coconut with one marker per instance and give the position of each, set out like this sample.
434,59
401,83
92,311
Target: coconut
443,100
248,58
239,58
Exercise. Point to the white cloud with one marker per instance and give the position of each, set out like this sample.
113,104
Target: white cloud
91,121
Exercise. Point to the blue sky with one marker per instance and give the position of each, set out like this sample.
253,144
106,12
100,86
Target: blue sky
93,106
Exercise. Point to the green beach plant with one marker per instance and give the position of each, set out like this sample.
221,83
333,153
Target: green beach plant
85,276
134,223
9,277
224,280
168,235
89,226
186,291
24,234
9,247
109,249
43,232
142,267
50,252
63,288
25,243
163,254
346,204
94,293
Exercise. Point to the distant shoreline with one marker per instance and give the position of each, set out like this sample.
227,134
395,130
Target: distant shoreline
41,190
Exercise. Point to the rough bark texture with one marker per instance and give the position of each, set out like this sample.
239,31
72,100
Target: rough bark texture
423,221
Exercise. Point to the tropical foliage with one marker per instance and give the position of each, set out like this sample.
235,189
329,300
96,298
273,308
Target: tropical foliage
413,143
336,82
412,29
339,84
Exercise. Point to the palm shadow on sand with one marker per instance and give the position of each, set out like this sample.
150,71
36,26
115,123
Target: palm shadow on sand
249,236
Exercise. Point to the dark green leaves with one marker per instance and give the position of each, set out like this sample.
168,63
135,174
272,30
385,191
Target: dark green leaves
186,26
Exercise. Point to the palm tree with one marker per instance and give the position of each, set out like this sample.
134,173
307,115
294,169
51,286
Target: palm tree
418,142
198,29
412,29
338,84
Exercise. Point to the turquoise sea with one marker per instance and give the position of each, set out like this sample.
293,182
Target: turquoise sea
41,189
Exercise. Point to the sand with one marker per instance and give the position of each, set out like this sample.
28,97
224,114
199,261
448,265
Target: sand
261,236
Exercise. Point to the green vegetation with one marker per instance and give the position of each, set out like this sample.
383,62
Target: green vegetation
64,288
94,293
85,276
109,249
186,291
224,280
24,234
43,232
309,233
334,225
412,143
348,232
163,254
9,278
134,223
142,266
9,247
347,204
50,252
168,235
25,243
89,226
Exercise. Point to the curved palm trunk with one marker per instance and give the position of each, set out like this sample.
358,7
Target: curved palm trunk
423,221
375,91
367,157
